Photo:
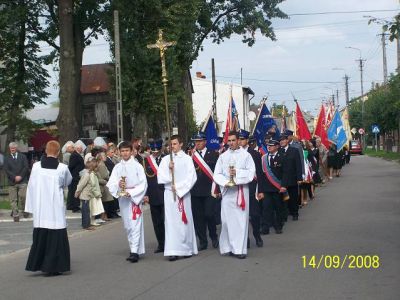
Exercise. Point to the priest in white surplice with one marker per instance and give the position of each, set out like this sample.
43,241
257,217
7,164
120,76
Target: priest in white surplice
45,201
130,205
180,237
235,200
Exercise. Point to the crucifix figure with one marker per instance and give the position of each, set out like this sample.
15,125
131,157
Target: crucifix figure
163,45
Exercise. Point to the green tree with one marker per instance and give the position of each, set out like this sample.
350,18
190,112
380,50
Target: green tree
23,80
76,24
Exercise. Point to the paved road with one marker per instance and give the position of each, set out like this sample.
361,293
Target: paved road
358,213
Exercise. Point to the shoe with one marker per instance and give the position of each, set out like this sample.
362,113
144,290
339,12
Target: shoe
278,231
231,254
203,247
95,224
295,218
100,221
76,210
173,258
259,241
187,256
133,258
16,219
265,231
51,274
159,250
215,243
241,256
26,215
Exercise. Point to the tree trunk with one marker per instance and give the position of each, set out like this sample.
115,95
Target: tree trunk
140,126
67,118
79,48
183,103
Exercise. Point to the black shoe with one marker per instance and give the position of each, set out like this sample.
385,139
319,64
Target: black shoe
52,274
203,247
215,243
76,210
187,256
159,250
231,254
265,231
16,219
26,215
133,258
259,241
278,231
173,258
295,218
241,256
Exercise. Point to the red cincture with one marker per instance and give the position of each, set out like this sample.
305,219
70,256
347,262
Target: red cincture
240,198
181,209
135,211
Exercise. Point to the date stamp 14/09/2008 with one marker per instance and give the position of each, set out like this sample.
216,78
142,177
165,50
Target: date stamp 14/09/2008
340,262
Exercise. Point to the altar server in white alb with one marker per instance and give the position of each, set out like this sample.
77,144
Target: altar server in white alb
180,237
128,175
45,201
239,164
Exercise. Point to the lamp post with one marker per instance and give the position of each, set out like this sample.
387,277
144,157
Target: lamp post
361,61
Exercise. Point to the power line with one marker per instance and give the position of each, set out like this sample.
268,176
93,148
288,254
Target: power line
341,12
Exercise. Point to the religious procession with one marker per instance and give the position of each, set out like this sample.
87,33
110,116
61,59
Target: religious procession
199,149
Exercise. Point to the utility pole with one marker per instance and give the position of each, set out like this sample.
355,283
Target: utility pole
383,40
214,106
346,83
337,97
118,87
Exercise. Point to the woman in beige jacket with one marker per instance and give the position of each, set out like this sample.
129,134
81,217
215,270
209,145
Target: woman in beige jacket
88,191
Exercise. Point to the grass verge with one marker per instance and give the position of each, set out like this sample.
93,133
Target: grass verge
383,154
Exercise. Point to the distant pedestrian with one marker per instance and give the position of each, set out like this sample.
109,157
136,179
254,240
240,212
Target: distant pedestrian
16,167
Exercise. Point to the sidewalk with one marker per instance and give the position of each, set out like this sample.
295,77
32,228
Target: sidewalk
5,216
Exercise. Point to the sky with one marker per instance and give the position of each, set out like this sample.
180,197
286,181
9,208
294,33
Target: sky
307,49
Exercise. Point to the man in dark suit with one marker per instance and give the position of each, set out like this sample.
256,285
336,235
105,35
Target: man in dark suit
203,202
155,192
16,167
254,206
292,174
75,165
270,189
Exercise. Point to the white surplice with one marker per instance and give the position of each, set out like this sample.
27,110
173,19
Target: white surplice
136,186
234,218
45,196
180,238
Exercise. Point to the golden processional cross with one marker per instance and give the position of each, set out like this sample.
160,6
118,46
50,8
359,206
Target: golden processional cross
163,45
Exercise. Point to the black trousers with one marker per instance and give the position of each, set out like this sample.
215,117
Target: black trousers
274,210
293,202
85,214
203,210
255,212
157,216
72,202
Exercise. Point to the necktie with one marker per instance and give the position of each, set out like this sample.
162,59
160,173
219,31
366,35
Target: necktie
200,152
14,156
271,159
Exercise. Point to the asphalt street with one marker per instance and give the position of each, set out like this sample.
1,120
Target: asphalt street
356,214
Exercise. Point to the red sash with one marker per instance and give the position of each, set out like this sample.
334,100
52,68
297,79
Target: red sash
206,170
135,211
152,163
240,198
181,209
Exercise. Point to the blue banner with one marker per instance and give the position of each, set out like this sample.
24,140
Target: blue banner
336,133
211,134
264,123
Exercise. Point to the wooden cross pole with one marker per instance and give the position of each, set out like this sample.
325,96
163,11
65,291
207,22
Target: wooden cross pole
162,45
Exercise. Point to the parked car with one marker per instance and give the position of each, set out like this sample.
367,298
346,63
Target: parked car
355,147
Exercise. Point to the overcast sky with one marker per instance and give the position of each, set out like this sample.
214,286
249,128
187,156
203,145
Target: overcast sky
307,49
